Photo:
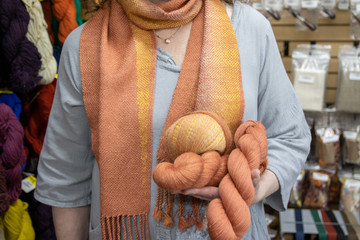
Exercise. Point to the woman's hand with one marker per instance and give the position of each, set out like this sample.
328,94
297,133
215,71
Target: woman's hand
209,193
205,193
264,185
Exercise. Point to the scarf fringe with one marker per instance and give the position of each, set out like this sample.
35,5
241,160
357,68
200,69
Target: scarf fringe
125,227
166,214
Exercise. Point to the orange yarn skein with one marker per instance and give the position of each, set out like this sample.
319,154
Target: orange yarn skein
229,215
201,133
65,13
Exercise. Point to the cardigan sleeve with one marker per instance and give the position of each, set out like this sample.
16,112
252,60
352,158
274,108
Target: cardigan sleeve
66,160
287,130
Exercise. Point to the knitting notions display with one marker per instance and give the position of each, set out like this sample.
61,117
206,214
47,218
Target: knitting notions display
205,134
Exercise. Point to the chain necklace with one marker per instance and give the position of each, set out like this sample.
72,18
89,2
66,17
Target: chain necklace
167,40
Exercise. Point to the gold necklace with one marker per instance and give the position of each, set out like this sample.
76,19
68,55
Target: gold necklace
168,39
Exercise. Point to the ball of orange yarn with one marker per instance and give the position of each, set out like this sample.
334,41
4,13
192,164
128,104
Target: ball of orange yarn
194,145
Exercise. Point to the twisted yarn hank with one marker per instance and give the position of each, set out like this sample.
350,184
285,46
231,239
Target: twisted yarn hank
38,35
229,216
12,156
65,13
20,58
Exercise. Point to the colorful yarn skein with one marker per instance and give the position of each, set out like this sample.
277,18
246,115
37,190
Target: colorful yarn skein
20,58
38,35
12,156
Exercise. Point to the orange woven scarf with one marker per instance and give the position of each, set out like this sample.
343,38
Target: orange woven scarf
118,59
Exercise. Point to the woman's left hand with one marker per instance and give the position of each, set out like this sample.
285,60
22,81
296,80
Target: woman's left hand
209,193
265,185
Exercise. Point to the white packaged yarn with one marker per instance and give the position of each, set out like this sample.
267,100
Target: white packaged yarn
348,91
309,73
38,35
309,85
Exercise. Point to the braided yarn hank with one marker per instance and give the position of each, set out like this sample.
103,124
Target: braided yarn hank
21,60
65,13
38,35
17,222
12,156
229,216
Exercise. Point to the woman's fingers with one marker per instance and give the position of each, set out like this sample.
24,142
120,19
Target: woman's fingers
205,193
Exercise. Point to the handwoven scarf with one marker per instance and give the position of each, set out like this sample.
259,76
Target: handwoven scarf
117,63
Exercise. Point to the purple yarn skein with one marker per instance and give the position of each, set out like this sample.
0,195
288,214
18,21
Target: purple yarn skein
20,57
12,156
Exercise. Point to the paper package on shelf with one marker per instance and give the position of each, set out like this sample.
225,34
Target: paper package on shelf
309,73
348,97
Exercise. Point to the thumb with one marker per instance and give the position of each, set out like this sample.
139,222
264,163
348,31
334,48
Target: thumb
255,174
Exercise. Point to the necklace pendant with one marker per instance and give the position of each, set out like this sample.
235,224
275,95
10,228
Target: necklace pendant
167,41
